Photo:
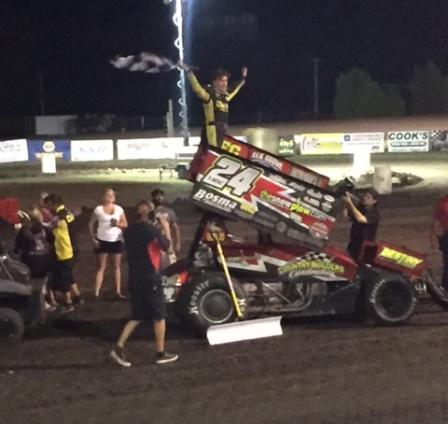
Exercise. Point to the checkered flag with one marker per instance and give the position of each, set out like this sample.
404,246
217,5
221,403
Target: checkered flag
438,135
143,62
315,256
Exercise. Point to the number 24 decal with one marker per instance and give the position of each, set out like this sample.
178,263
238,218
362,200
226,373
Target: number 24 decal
227,172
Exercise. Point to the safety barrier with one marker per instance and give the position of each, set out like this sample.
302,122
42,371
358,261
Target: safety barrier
77,150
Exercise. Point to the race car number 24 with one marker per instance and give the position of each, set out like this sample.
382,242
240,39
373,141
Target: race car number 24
228,172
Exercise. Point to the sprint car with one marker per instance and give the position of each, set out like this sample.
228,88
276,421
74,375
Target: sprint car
287,266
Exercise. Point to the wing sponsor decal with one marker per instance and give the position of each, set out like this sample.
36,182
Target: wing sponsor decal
275,201
400,258
312,263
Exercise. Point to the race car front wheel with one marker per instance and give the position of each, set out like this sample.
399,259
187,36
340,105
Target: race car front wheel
205,301
390,299
11,327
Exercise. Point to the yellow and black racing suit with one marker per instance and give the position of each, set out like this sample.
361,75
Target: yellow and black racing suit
216,110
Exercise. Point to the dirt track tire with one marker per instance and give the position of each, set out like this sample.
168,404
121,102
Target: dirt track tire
12,327
205,301
390,299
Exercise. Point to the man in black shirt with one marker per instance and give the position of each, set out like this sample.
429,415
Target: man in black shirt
143,242
365,217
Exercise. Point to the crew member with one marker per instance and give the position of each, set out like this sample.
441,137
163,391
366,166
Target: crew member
145,285
215,99
439,229
64,251
162,210
365,218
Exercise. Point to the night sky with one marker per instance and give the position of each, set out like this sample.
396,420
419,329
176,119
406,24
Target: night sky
70,41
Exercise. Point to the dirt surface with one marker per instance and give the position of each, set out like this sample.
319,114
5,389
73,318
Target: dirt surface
325,371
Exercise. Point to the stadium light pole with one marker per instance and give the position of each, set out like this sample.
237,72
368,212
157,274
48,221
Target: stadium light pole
181,83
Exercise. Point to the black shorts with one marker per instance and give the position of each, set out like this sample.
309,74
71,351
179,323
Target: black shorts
112,247
62,276
147,299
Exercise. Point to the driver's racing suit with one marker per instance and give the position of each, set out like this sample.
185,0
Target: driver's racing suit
216,110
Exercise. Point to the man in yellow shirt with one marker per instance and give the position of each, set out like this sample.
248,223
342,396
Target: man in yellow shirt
215,100
64,251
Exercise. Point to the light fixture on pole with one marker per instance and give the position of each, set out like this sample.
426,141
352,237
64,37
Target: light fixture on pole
179,44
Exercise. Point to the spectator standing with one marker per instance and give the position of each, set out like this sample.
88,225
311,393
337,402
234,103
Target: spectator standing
439,232
33,245
164,212
143,239
43,208
106,229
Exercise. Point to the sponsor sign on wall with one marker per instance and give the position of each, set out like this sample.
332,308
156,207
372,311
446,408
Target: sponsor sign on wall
286,146
91,150
149,148
408,141
374,142
320,144
337,143
60,148
13,150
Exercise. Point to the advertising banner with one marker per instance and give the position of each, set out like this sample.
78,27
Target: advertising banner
374,142
13,151
338,143
60,148
408,141
320,144
238,188
149,148
286,146
91,150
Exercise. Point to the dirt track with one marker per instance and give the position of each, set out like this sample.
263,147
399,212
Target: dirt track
319,372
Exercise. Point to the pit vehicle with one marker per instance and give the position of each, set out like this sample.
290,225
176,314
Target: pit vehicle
21,298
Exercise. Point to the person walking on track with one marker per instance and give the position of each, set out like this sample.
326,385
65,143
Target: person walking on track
143,244
107,237
439,231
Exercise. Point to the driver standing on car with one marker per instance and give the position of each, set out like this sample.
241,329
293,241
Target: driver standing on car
365,218
215,100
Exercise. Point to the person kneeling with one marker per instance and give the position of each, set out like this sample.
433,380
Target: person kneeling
143,240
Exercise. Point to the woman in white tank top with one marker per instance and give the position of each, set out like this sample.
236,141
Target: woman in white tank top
107,236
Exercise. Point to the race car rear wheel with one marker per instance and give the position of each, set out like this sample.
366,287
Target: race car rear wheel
11,327
390,299
206,301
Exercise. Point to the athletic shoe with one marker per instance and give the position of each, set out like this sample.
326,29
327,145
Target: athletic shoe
68,307
48,307
78,300
165,357
117,354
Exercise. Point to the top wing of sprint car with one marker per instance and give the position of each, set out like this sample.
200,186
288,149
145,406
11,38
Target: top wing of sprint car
243,182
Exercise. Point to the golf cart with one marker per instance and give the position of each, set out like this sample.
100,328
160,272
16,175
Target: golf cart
21,299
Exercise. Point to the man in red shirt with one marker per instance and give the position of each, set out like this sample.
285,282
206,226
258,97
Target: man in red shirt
439,229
